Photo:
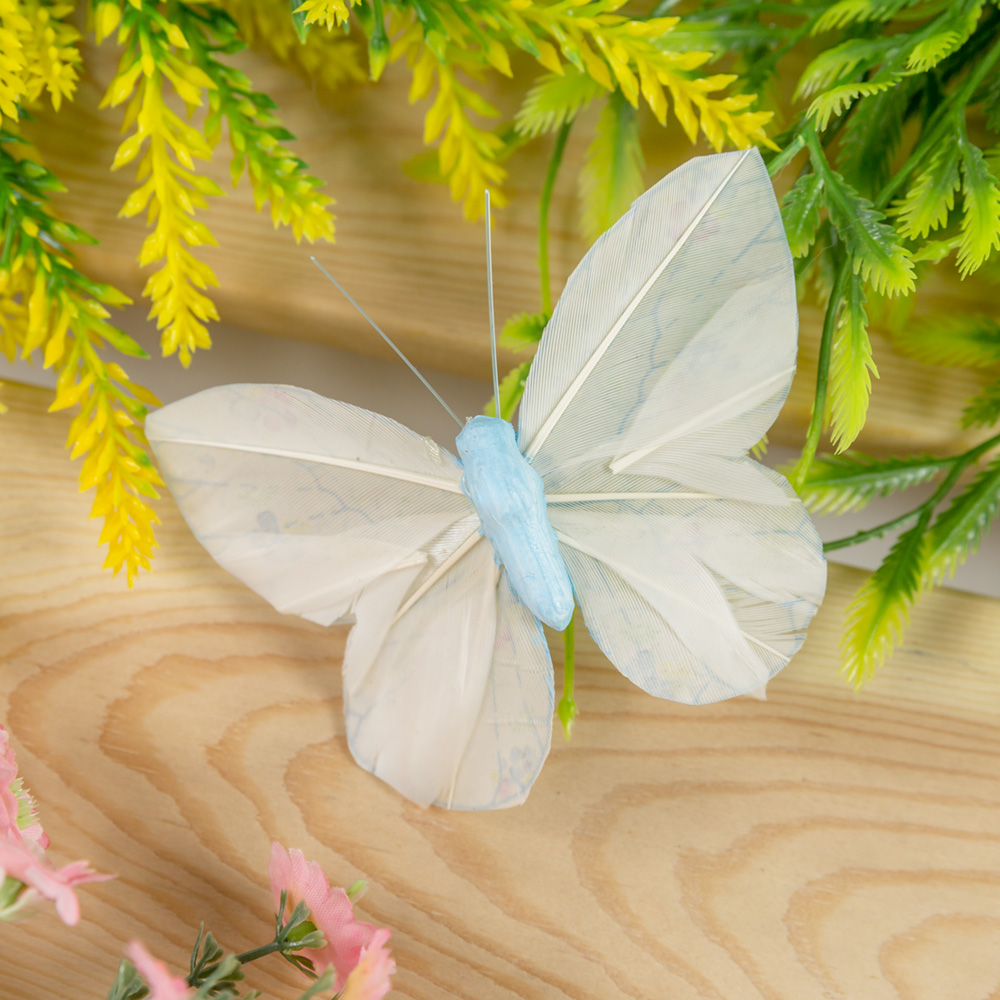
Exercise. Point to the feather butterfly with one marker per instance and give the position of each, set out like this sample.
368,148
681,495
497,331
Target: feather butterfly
627,487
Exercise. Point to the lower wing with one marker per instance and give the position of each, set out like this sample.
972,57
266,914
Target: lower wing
694,597
448,684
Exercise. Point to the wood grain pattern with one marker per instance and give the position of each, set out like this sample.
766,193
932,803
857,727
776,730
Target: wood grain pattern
822,844
405,251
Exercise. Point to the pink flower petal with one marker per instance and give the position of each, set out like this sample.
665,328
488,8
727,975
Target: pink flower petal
16,803
330,910
372,976
29,865
162,985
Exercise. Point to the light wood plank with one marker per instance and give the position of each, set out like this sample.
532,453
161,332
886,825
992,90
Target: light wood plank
405,251
823,844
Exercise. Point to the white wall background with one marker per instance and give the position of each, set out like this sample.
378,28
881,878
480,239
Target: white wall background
390,388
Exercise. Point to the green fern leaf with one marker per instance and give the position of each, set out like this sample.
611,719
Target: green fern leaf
611,178
800,210
511,391
554,100
981,209
838,62
881,608
854,11
944,35
851,369
839,484
953,341
522,331
983,410
958,532
837,100
931,196
876,251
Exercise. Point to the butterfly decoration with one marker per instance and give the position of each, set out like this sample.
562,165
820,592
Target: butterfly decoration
627,488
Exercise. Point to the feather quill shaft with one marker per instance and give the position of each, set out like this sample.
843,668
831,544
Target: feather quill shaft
449,486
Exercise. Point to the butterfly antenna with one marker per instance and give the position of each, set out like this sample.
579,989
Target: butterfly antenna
385,337
489,292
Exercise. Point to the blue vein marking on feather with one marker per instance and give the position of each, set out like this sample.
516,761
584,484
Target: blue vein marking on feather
509,497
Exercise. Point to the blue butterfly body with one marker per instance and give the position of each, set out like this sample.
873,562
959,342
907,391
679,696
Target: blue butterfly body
509,498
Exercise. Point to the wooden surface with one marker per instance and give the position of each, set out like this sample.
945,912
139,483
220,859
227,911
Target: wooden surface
824,844
406,253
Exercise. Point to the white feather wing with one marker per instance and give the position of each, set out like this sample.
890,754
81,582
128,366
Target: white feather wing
693,600
327,511
668,356
680,321
305,499
449,699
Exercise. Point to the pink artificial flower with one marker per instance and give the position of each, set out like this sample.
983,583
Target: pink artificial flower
330,910
15,802
26,863
162,985
371,978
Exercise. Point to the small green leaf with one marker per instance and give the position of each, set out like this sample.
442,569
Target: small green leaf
128,984
935,251
322,985
831,65
611,178
881,608
983,410
522,331
877,254
839,484
851,368
953,341
958,532
68,233
852,11
931,196
981,209
554,100
944,35
800,210
511,391
837,100
299,20
121,341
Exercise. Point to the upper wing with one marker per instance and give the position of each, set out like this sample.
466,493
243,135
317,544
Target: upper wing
673,344
668,356
304,499
448,684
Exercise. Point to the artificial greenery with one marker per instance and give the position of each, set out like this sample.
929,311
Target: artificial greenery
888,136
214,975
891,137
